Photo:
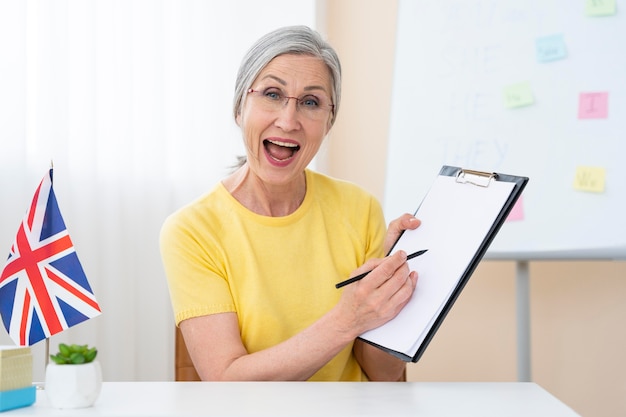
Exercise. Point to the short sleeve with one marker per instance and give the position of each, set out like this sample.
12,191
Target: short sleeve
196,280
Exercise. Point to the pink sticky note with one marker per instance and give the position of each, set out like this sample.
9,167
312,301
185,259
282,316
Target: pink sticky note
593,105
517,212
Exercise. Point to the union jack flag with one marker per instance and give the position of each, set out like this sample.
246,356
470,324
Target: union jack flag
43,288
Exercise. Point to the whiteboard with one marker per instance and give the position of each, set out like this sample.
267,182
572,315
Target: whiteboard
533,88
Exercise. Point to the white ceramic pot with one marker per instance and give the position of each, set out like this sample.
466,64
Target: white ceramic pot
73,386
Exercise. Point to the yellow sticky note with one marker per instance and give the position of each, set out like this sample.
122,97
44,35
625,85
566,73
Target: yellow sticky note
600,8
518,95
590,179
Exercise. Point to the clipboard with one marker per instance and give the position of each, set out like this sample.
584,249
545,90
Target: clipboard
461,215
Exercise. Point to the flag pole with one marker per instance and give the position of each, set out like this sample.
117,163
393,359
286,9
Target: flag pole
42,384
46,358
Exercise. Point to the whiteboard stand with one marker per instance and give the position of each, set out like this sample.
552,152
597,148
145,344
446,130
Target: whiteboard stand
522,295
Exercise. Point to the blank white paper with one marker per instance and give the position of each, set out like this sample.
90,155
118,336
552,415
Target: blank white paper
456,218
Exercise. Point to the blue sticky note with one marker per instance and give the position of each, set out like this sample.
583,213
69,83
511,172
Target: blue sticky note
550,48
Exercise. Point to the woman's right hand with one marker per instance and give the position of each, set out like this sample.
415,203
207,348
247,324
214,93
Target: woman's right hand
379,296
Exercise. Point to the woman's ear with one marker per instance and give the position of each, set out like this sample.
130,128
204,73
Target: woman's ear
238,119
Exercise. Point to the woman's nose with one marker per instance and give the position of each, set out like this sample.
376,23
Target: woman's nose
288,115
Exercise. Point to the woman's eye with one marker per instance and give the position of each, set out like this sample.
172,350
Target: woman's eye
273,95
310,101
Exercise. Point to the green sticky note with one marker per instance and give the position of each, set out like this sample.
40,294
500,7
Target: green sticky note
518,95
600,8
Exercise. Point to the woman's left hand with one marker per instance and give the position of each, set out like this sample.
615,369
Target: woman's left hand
397,226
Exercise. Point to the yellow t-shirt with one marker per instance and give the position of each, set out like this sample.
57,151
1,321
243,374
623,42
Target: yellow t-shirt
277,273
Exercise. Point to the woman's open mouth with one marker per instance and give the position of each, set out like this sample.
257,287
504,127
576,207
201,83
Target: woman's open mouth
280,151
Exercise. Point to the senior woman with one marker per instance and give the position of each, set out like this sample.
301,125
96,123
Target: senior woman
252,265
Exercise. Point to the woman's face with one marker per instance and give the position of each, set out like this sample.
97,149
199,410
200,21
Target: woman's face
282,139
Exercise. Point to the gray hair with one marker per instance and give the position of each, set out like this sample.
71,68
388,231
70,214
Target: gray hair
287,40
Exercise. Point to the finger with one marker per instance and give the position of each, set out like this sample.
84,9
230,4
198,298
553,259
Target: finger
397,226
368,266
403,295
400,278
387,269
405,222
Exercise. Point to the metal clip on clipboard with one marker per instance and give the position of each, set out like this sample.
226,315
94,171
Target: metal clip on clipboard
479,178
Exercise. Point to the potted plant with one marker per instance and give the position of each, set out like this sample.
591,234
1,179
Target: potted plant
73,377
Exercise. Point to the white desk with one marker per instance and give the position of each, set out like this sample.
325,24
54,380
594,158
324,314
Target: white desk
336,399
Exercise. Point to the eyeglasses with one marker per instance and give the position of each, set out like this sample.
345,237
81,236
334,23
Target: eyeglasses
311,106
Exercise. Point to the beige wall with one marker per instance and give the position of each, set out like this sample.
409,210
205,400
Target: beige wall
578,309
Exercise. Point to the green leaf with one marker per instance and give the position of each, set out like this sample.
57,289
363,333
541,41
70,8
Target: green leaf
65,349
59,360
76,348
77,358
90,355
74,354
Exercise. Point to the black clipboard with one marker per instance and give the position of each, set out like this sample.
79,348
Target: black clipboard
464,211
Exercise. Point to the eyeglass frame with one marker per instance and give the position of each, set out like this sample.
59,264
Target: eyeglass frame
287,98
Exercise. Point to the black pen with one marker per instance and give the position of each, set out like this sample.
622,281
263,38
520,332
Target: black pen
363,275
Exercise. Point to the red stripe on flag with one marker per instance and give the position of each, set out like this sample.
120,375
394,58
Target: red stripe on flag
29,261
28,256
25,309
63,283
33,207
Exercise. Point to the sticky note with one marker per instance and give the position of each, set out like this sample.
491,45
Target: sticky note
518,95
550,48
593,105
517,212
590,179
597,8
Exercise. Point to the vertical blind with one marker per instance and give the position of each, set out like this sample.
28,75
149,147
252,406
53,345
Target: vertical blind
131,100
